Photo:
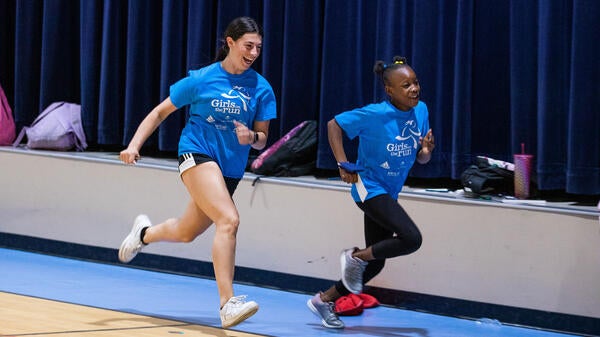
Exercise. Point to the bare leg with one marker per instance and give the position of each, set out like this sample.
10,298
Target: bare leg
207,188
192,223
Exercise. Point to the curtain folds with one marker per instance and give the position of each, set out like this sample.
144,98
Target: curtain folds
112,66
494,74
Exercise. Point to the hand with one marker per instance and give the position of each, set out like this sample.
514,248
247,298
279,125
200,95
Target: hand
427,143
129,156
348,177
244,135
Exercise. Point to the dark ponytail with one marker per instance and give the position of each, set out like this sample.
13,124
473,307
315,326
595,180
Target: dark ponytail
236,29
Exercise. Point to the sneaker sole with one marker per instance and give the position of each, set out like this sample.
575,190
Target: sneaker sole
323,322
121,257
343,264
241,318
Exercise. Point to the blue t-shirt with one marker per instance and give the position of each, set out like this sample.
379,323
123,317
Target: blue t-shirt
216,99
388,145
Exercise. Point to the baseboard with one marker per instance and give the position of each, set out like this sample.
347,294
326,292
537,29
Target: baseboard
535,319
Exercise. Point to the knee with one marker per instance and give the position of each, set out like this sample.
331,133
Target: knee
414,242
407,244
228,225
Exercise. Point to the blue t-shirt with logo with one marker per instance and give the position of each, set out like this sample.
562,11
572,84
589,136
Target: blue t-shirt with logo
388,145
216,99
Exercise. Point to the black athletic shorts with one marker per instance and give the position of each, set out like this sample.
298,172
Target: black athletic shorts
189,160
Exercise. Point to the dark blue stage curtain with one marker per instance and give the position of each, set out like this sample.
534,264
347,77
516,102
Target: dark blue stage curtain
494,74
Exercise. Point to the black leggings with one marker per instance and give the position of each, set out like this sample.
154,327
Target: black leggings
390,232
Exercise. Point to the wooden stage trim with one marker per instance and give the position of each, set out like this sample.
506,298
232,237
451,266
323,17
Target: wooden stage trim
30,316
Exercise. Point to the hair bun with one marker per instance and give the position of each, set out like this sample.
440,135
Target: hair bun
399,60
379,67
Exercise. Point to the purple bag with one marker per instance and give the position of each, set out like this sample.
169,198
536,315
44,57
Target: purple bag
293,155
7,122
58,127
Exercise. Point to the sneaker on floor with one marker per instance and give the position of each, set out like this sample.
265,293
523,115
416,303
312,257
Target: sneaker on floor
325,311
352,271
236,310
133,243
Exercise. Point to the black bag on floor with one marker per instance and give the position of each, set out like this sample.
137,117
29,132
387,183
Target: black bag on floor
294,154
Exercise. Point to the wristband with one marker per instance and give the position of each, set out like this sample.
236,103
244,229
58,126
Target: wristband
255,137
350,167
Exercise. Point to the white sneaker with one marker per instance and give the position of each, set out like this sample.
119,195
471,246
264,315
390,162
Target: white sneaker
133,243
236,310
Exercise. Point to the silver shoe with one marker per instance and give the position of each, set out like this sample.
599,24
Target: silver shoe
325,311
352,271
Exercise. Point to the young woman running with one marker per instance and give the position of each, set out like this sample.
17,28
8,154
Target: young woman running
230,108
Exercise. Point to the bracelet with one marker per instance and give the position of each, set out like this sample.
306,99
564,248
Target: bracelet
255,137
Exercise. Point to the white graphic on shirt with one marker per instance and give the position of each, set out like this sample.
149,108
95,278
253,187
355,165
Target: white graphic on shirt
385,165
407,141
230,106
218,125
410,131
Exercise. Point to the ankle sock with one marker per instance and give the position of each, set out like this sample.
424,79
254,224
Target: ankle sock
142,233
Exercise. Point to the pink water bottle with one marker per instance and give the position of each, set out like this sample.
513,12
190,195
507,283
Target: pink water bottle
523,164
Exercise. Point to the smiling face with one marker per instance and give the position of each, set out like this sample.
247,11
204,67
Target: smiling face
243,52
403,88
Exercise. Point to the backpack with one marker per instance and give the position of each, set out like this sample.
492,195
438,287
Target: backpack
58,127
294,154
7,122
489,176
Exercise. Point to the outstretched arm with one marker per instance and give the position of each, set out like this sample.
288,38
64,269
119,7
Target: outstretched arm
132,153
